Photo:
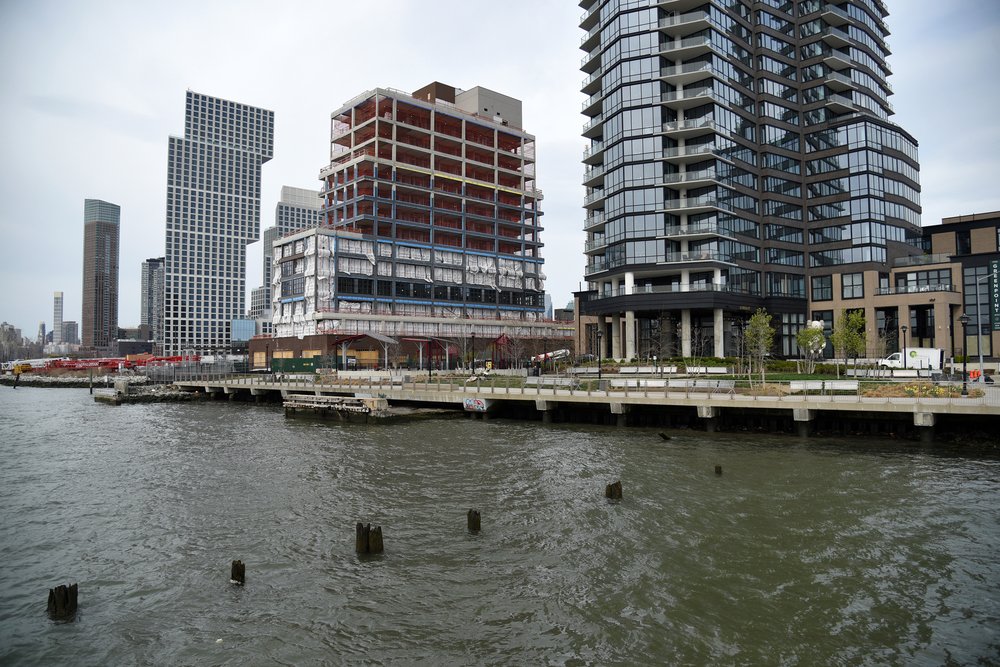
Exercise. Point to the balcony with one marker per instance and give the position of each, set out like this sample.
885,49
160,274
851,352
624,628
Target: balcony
683,49
594,151
693,127
695,256
693,232
589,41
921,260
682,75
697,152
838,81
839,104
915,289
836,37
692,204
593,220
596,265
593,176
592,83
593,197
836,60
592,105
692,97
590,17
595,244
690,179
591,61
834,15
594,127
685,24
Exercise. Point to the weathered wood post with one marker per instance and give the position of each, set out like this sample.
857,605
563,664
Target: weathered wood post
614,491
238,574
474,521
368,539
62,601
718,470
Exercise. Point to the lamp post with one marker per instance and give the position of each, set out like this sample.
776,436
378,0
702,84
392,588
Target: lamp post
964,319
655,369
473,352
600,335
979,327
903,351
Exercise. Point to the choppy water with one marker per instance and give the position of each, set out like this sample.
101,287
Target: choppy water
817,553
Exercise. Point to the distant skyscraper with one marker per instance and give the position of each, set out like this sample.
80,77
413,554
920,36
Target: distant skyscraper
213,212
57,317
151,299
298,209
41,333
100,273
69,332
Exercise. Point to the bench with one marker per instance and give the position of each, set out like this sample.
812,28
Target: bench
820,385
637,384
729,386
534,381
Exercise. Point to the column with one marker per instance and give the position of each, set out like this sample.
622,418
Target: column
616,336
686,333
717,330
630,334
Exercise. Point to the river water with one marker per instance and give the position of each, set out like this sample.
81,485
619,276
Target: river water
802,553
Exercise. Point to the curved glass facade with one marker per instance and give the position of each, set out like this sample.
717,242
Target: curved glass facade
740,146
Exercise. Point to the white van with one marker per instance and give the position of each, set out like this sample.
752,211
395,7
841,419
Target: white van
917,358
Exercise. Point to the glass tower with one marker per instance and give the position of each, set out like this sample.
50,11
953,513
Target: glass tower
740,153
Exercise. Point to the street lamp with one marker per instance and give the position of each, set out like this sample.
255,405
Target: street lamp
600,335
473,352
655,369
903,351
964,319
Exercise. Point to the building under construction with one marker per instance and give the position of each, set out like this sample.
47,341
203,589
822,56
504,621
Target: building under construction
431,224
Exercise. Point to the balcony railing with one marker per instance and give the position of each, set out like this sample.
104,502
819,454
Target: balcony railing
915,289
920,260
593,221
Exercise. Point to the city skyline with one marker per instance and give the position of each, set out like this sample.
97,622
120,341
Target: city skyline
106,118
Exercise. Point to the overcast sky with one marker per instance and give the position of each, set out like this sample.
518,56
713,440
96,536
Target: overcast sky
91,91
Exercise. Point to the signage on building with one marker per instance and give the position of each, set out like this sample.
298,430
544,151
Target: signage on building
995,295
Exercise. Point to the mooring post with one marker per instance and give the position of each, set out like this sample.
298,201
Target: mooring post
62,601
474,521
614,491
718,470
238,573
368,540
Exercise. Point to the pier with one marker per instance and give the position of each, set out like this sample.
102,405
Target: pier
702,403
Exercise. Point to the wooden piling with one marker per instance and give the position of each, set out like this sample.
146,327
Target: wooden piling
474,521
614,491
368,539
718,470
238,574
62,601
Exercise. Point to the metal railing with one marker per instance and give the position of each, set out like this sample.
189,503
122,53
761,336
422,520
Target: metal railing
913,395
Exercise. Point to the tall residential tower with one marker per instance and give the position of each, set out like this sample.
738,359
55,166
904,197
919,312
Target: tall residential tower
99,319
57,318
740,156
151,297
213,212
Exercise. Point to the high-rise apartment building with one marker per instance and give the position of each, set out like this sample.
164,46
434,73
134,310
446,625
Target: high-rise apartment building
213,212
151,296
297,209
99,320
57,318
70,332
740,155
432,222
